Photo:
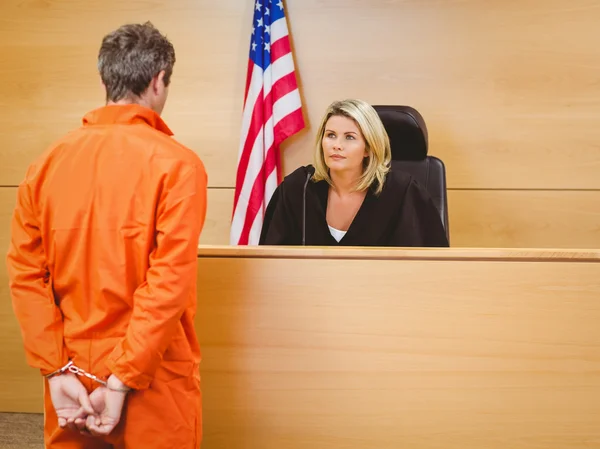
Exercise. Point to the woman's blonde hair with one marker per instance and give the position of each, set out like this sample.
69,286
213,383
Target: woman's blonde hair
377,164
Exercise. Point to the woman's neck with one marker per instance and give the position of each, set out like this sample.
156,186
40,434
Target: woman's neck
344,183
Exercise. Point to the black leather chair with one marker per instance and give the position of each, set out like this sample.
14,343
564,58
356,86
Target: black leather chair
409,141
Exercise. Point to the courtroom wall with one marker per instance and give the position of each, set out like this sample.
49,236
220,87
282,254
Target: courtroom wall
508,89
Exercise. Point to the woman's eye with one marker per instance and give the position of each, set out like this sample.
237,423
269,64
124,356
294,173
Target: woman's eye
350,137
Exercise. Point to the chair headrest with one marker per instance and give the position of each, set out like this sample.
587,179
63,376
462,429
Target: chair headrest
407,132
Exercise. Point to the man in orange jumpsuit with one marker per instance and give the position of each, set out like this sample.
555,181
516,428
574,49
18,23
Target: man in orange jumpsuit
102,263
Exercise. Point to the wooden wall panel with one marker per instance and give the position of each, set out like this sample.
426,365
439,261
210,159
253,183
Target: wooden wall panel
523,218
508,89
218,217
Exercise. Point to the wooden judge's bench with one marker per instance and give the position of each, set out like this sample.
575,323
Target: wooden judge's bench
340,348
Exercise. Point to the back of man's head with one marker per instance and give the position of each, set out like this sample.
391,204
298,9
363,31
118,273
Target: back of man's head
130,57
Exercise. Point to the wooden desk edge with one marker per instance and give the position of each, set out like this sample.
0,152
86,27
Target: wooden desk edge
370,253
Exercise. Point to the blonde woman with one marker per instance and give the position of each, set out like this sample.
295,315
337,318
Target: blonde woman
354,197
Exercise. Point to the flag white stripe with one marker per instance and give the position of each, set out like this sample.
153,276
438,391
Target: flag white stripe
271,185
286,105
282,67
253,92
279,30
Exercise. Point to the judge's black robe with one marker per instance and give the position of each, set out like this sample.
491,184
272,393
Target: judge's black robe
402,215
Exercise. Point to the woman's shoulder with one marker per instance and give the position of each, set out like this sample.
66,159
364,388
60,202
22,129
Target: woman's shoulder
400,183
397,179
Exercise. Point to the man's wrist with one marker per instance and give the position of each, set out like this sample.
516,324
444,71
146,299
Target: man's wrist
115,384
59,371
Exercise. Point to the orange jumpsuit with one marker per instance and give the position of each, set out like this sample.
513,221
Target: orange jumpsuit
102,266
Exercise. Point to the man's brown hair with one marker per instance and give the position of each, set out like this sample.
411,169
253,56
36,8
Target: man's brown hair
130,57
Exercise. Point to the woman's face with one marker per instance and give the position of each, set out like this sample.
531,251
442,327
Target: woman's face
344,147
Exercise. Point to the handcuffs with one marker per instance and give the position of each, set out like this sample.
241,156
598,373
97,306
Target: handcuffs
72,368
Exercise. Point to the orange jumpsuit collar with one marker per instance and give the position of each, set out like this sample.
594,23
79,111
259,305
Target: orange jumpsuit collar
126,114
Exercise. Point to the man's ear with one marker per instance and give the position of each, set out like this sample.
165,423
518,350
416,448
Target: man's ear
158,82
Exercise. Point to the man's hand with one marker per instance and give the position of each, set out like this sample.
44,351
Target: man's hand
107,403
69,398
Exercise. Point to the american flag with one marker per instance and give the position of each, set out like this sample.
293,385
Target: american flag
272,112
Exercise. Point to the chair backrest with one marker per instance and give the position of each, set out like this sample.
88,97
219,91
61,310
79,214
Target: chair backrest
410,144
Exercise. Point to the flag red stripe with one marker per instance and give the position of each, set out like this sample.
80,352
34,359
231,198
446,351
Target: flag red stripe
280,48
256,125
283,86
288,126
